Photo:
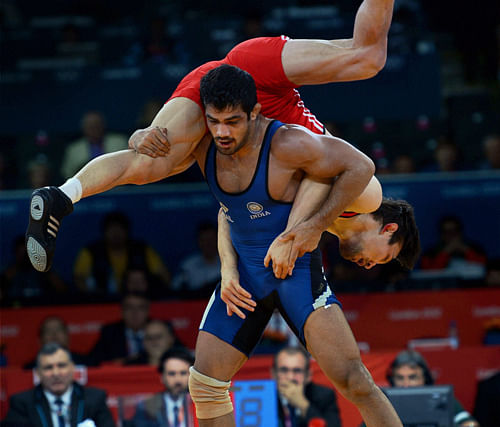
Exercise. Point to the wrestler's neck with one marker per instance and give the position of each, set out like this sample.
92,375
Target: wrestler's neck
345,228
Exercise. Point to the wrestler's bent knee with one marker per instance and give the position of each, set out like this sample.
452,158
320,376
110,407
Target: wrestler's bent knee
358,383
210,396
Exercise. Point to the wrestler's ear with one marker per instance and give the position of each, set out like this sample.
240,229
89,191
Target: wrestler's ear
391,227
256,111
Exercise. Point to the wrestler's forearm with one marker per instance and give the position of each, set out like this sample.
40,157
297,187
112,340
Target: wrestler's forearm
347,188
227,254
372,23
312,194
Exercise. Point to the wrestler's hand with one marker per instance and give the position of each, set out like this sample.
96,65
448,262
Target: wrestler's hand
304,238
151,141
234,295
279,254
294,393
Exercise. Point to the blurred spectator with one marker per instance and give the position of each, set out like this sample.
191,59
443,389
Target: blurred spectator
94,142
123,339
447,158
100,267
23,284
58,400
39,171
200,272
172,407
403,163
492,278
487,407
299,399
453,252
409,369
53,329
276,336
491,148
252,24
159,337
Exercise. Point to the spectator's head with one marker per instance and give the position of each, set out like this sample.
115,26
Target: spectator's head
450,228
447,156
53,329
174,369
39,171
159,337
409,369
55,368
403,164
491,146
136,280
115,229
291,364
393,235
135,310
93,126
207,240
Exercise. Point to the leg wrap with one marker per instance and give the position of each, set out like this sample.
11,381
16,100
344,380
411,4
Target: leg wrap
210,396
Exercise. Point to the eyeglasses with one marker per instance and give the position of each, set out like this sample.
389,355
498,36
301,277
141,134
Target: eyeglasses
296,371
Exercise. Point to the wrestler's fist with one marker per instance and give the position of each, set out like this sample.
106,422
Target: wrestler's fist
233,294
151,141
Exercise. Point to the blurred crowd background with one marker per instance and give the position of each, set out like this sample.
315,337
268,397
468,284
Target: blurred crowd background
76,72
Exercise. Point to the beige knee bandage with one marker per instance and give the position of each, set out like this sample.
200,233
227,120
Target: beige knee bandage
210,396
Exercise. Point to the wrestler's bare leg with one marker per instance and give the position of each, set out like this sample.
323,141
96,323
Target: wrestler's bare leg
312,62
330,340
217,359
186,127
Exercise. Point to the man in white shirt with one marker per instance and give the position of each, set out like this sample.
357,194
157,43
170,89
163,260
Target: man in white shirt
58,401
172,407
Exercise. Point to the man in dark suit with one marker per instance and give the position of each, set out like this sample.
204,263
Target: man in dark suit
58,401
122,340
299,399
173,407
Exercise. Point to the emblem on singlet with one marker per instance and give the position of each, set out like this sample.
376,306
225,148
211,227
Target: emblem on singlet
226,210
257,210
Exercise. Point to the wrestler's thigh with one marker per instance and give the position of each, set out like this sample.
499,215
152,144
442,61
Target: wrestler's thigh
216,358
331,342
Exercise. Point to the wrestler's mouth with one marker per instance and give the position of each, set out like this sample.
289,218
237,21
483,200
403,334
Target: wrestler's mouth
224,142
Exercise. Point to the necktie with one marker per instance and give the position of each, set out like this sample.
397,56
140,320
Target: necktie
176,416
60,417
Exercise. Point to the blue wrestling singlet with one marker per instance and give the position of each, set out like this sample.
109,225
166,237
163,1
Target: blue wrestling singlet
255,220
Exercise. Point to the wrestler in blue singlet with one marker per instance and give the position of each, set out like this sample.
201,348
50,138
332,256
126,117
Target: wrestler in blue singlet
255,220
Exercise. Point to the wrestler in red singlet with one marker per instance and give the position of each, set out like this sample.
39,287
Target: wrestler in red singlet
261,57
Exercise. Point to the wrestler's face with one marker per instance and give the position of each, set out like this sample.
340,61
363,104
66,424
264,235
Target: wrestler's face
371,247
229,127
175,376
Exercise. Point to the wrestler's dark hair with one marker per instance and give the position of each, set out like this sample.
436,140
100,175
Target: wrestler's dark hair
228,86
413,359
175,353
401,213
49,349
291,350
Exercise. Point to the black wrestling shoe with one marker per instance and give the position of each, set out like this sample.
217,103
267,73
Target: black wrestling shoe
47,208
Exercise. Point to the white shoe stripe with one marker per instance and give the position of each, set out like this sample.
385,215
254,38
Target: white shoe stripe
51,232
55,220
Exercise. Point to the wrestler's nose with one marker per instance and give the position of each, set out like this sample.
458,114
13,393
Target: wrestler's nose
222,130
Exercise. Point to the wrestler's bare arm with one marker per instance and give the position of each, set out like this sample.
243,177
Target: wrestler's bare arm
312,62
231,292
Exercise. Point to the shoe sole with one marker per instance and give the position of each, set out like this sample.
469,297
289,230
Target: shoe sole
36,252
